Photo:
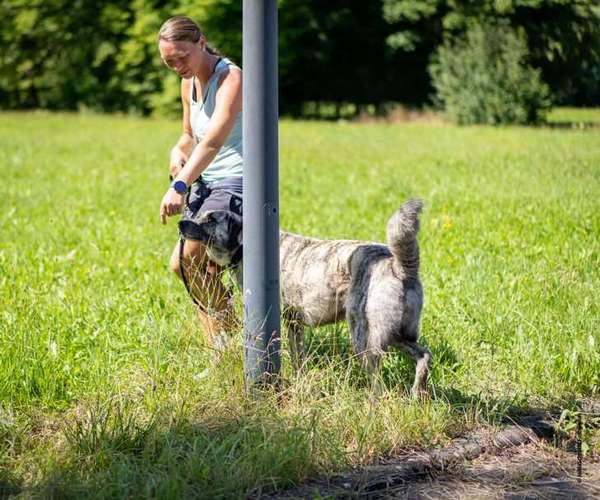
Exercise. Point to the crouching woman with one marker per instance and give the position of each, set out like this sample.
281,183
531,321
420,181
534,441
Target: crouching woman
206,164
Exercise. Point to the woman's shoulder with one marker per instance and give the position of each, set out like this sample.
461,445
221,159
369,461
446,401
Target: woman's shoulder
230,72
230,64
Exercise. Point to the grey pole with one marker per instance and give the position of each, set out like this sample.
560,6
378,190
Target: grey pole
261,198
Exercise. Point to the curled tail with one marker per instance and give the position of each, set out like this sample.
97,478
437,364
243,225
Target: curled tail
402,231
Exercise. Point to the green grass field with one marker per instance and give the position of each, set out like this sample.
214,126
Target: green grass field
107,388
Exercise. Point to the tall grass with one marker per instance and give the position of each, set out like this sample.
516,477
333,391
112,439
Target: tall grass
107,387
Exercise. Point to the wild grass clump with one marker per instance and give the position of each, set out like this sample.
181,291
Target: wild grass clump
175,442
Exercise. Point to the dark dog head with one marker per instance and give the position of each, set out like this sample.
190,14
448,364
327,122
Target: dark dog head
221,230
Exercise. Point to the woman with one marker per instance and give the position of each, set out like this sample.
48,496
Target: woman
206,163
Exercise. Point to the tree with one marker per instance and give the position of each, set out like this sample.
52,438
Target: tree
486,78
563,35
59,54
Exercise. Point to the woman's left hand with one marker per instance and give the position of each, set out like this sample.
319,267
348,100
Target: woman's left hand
171,204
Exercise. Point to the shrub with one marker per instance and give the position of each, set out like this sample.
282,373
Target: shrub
485,78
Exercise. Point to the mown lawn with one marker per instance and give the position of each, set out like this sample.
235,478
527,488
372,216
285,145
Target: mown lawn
107,388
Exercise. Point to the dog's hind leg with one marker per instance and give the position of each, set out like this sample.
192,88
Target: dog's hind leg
422,356
357,325
371,362
295,331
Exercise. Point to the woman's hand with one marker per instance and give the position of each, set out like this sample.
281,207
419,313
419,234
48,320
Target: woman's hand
171,204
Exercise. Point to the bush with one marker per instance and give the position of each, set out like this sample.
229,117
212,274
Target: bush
485,78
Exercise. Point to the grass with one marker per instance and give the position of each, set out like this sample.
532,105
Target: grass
575,117
107,388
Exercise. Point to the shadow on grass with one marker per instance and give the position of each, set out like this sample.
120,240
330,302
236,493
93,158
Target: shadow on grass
224,459
9,485
571,125
109,452
330,346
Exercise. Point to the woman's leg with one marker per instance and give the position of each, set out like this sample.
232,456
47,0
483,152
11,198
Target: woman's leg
215,309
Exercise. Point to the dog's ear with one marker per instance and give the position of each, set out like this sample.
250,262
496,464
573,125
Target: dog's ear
235,226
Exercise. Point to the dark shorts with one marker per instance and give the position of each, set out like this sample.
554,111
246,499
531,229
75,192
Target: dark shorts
225,195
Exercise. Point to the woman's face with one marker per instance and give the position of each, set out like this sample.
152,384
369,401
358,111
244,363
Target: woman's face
181,57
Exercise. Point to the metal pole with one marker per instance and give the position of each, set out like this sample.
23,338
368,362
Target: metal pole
261,198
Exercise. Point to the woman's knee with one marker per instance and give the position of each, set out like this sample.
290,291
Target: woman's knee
193,257
174,262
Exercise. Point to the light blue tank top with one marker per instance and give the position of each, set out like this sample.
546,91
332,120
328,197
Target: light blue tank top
229,160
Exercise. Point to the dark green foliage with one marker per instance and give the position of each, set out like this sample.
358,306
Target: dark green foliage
563,35
62,54
486,78
350,54
335,52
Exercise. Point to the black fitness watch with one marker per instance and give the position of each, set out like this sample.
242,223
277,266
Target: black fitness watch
179,186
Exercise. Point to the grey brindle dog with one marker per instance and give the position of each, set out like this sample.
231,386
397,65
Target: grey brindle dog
374,286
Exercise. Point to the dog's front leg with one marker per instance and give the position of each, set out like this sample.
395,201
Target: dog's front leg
295,329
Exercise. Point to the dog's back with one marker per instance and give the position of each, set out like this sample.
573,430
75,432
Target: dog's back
315,276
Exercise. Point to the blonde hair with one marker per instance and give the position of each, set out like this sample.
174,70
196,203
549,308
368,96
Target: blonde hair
182,29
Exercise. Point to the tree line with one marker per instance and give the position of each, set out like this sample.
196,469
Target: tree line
348,54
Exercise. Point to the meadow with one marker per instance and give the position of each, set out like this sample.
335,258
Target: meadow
107,388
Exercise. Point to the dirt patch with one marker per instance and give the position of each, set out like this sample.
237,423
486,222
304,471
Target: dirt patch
531,471
514,462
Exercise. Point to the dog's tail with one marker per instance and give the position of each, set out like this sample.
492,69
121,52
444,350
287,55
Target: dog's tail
402,231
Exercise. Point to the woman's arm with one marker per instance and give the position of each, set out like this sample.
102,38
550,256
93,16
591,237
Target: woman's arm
183,149
228,104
